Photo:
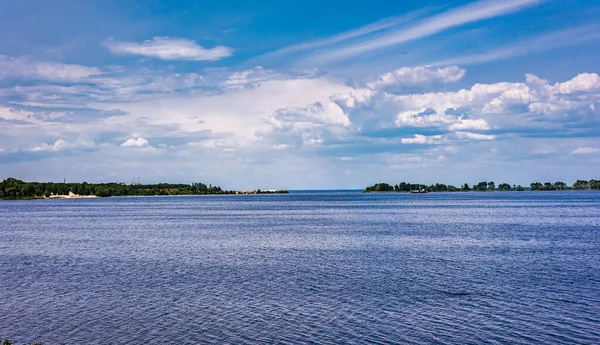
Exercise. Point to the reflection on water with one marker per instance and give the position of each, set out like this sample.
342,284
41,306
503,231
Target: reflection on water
328,268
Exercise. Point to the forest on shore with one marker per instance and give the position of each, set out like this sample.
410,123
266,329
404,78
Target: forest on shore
12,188
484,186
9,342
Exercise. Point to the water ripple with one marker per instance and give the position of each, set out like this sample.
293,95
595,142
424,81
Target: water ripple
303,268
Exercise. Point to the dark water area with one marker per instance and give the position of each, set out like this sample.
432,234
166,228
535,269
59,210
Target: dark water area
303,268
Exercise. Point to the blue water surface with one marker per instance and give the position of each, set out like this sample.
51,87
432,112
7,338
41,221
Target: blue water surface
303,268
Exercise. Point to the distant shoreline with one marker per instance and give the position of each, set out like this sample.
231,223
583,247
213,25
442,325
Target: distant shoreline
484,186
13,189
482,191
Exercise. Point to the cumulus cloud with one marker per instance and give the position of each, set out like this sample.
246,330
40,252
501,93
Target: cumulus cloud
167,48
18,67
61,144
304,126
422,139
475,124
58,145
581,83
308,118
532,105
585,151
424,117
411,76
139,142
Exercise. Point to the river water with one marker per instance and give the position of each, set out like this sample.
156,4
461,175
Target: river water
303,268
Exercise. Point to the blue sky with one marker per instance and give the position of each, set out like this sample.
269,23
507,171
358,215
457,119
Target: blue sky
302,95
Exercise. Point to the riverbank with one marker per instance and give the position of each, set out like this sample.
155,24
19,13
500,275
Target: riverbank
13,189
71,195
484,186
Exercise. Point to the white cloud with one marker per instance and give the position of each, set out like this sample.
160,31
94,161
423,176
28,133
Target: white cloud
12,67
61,144
250,77
240,112
473,136
296,123
166,48
424,117
410,76
305,126
585,151
581,83
253,77
147,85
504,106
422,139
139,142
304,110
456,17
476,124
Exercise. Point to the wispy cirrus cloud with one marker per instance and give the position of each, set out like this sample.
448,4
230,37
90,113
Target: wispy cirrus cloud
469,13
554,40
585,151
26,68
168,48
474,136
380,25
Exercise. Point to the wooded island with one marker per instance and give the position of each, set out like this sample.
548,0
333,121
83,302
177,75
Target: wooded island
12,188
482,187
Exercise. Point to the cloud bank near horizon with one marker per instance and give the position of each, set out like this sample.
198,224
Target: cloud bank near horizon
302,125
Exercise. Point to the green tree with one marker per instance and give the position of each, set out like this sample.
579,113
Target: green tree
581,184
380,187
504,187
548,186
536,186
481,186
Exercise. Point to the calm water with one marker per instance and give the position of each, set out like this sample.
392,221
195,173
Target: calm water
324,268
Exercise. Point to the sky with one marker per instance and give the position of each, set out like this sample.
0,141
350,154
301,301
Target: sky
300,94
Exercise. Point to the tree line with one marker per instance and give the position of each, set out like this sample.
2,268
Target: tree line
9,342
482,187
12,188
578,185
